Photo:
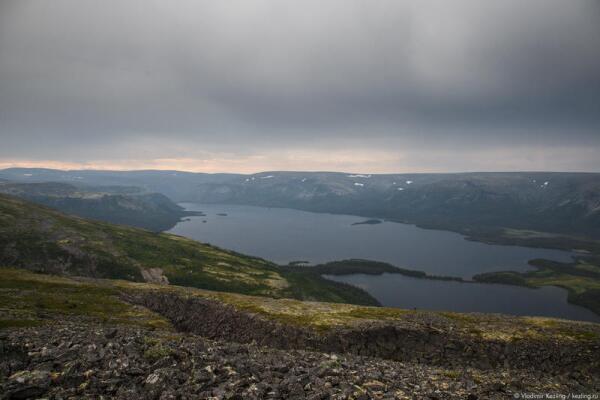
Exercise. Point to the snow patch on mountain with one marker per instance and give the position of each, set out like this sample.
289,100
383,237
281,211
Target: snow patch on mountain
359,176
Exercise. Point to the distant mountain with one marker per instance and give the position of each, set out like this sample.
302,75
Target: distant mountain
122,205
565,203
177,185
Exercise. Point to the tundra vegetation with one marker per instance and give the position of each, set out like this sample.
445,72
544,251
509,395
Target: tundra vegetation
90,309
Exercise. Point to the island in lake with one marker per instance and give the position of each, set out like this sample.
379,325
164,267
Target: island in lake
369,222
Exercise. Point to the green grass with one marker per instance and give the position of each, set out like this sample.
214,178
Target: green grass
19,323
322,317
156,352
30,299
43,239
308,285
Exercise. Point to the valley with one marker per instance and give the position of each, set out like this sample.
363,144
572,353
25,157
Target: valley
316,236
285,200
128,302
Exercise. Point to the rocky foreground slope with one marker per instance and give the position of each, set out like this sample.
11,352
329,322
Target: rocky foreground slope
83,338
79,360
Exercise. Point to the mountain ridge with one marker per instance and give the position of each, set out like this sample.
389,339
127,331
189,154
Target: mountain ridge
482,202
116,204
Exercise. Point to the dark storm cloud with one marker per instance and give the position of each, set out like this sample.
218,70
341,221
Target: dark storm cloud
82,79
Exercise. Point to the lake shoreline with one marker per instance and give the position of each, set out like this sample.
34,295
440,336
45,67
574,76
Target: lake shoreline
369,267
290,233
487,235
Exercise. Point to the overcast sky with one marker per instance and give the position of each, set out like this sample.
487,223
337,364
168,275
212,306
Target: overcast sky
251,85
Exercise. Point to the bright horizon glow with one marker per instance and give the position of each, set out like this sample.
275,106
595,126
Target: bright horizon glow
343,85
368,161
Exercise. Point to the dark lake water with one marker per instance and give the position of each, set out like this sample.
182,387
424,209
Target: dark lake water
405,292
284,235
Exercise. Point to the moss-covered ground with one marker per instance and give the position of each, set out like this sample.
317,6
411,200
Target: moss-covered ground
29,299
323,316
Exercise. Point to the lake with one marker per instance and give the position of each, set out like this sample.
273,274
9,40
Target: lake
395,290
284,235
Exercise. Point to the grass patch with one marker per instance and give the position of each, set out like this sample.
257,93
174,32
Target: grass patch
462,318
29,299
559,328
156,352
18,323
372,313
452,374
311,286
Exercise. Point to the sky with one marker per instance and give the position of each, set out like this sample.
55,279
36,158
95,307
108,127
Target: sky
338,85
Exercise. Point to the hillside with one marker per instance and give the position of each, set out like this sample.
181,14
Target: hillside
115,204
41,239
67,331
477,204
66,337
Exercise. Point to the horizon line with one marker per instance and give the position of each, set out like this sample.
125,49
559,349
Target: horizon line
95,169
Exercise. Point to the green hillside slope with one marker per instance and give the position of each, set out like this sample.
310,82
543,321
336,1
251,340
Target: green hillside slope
41,239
